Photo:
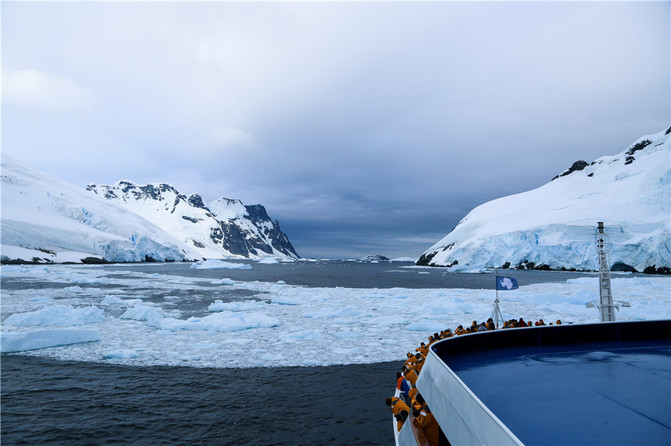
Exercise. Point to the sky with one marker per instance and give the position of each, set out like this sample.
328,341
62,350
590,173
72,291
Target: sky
362,127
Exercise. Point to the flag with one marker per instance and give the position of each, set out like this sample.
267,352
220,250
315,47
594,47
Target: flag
506,283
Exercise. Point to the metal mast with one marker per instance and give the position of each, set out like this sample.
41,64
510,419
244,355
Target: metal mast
496,313
605,292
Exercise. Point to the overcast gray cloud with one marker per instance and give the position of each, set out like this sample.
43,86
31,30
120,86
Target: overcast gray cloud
362,127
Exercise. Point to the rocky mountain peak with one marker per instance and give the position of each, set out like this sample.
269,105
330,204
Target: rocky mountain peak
223,228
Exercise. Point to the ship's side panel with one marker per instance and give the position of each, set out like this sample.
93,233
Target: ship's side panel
406,436
464,419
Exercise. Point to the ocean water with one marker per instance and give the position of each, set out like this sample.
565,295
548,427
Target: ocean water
45,401
285,353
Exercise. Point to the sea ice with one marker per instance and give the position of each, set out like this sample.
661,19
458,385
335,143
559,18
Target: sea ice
224,281
114,300
224,321
40,300
219,264
219,305
57,316
33,340
143,312
330,313
303,325
120,354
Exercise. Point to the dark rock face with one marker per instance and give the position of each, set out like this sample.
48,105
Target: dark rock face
621,266
575,167
425,259
195,201
635,148
640,146
240,241
257,213
281,242
654,270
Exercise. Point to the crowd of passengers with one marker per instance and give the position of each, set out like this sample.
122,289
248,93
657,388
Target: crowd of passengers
411,400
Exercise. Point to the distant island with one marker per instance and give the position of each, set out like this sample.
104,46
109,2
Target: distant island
375,258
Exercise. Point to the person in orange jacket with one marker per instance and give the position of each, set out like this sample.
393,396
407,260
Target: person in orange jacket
426,420
423,349
429,425
399,409
418,365
410,375
412,393
403,385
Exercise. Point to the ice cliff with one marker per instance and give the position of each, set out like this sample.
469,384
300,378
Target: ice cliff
553,226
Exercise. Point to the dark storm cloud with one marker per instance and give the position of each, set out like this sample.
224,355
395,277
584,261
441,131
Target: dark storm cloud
361,126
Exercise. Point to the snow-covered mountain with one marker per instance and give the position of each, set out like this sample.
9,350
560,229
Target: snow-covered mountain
553,226
222,228
45,219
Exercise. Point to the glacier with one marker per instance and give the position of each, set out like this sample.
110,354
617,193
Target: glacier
47,220
553,227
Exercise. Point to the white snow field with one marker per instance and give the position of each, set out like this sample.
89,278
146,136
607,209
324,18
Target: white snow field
107,315
554,224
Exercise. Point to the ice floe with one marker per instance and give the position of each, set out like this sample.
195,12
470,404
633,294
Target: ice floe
33,340
219,264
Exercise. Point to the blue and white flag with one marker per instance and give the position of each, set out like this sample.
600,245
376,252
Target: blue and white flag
506,283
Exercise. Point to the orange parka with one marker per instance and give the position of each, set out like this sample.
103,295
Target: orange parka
398,406
430,426
411,376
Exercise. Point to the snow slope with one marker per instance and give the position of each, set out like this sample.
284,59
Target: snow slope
223,228
45,219
553,226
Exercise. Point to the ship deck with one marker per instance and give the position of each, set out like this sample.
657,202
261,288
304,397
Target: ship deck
591,384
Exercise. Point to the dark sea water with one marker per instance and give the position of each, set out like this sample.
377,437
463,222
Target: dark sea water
46,401
349,274
57,402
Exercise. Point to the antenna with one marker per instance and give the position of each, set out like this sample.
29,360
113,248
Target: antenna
605,292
